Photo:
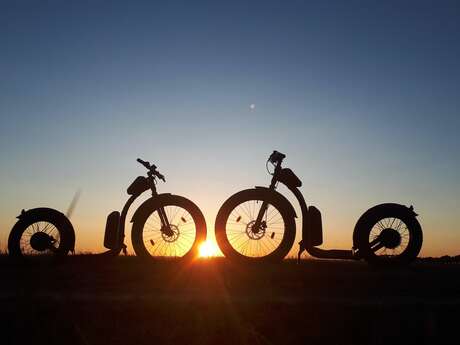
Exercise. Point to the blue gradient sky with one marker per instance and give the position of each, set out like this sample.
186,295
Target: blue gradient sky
361,96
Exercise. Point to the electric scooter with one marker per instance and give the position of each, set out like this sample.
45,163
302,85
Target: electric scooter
164,225
258,225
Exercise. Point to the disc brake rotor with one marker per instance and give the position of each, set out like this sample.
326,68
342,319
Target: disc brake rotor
255,235
172,234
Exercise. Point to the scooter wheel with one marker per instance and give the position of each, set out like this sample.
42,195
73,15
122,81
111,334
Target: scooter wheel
41,232
235,232
181,239
388,235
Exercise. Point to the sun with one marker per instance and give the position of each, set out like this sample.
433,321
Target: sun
208,249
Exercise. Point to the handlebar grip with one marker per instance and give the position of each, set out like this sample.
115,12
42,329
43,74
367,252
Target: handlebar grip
144,163
161,177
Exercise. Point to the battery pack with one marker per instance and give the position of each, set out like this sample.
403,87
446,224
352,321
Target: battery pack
316,226
111,235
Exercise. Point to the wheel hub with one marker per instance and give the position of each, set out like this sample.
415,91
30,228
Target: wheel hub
256,233
390,238
170,234
41,241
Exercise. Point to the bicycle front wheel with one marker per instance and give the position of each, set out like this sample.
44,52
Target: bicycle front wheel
151,238
237,236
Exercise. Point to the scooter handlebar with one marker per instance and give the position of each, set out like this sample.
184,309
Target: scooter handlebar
147,165
161,177
152,168
144,163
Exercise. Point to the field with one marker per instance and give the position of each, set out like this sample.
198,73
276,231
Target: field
93,300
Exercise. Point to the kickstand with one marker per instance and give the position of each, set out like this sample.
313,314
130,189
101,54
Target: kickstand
301,249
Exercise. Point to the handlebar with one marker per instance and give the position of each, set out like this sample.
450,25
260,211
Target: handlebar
152,169
146,164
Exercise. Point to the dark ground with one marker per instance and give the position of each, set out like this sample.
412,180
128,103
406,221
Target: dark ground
89,300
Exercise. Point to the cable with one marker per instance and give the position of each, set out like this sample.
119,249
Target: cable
266,167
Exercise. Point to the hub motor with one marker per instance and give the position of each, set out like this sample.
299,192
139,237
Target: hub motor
41,241
390,238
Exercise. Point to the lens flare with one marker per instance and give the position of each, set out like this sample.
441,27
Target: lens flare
208,249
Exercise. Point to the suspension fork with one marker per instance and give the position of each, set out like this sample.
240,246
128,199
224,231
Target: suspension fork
163,218
161,211
260,216
264,206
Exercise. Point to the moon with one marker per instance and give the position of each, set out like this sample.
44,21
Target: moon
252,106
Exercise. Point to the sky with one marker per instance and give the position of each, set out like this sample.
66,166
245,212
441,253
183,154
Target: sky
361,96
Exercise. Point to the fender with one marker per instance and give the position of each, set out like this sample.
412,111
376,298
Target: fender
60,217
282,198
149,203
397,208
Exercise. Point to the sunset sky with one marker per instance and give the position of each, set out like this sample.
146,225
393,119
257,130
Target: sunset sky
362,97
